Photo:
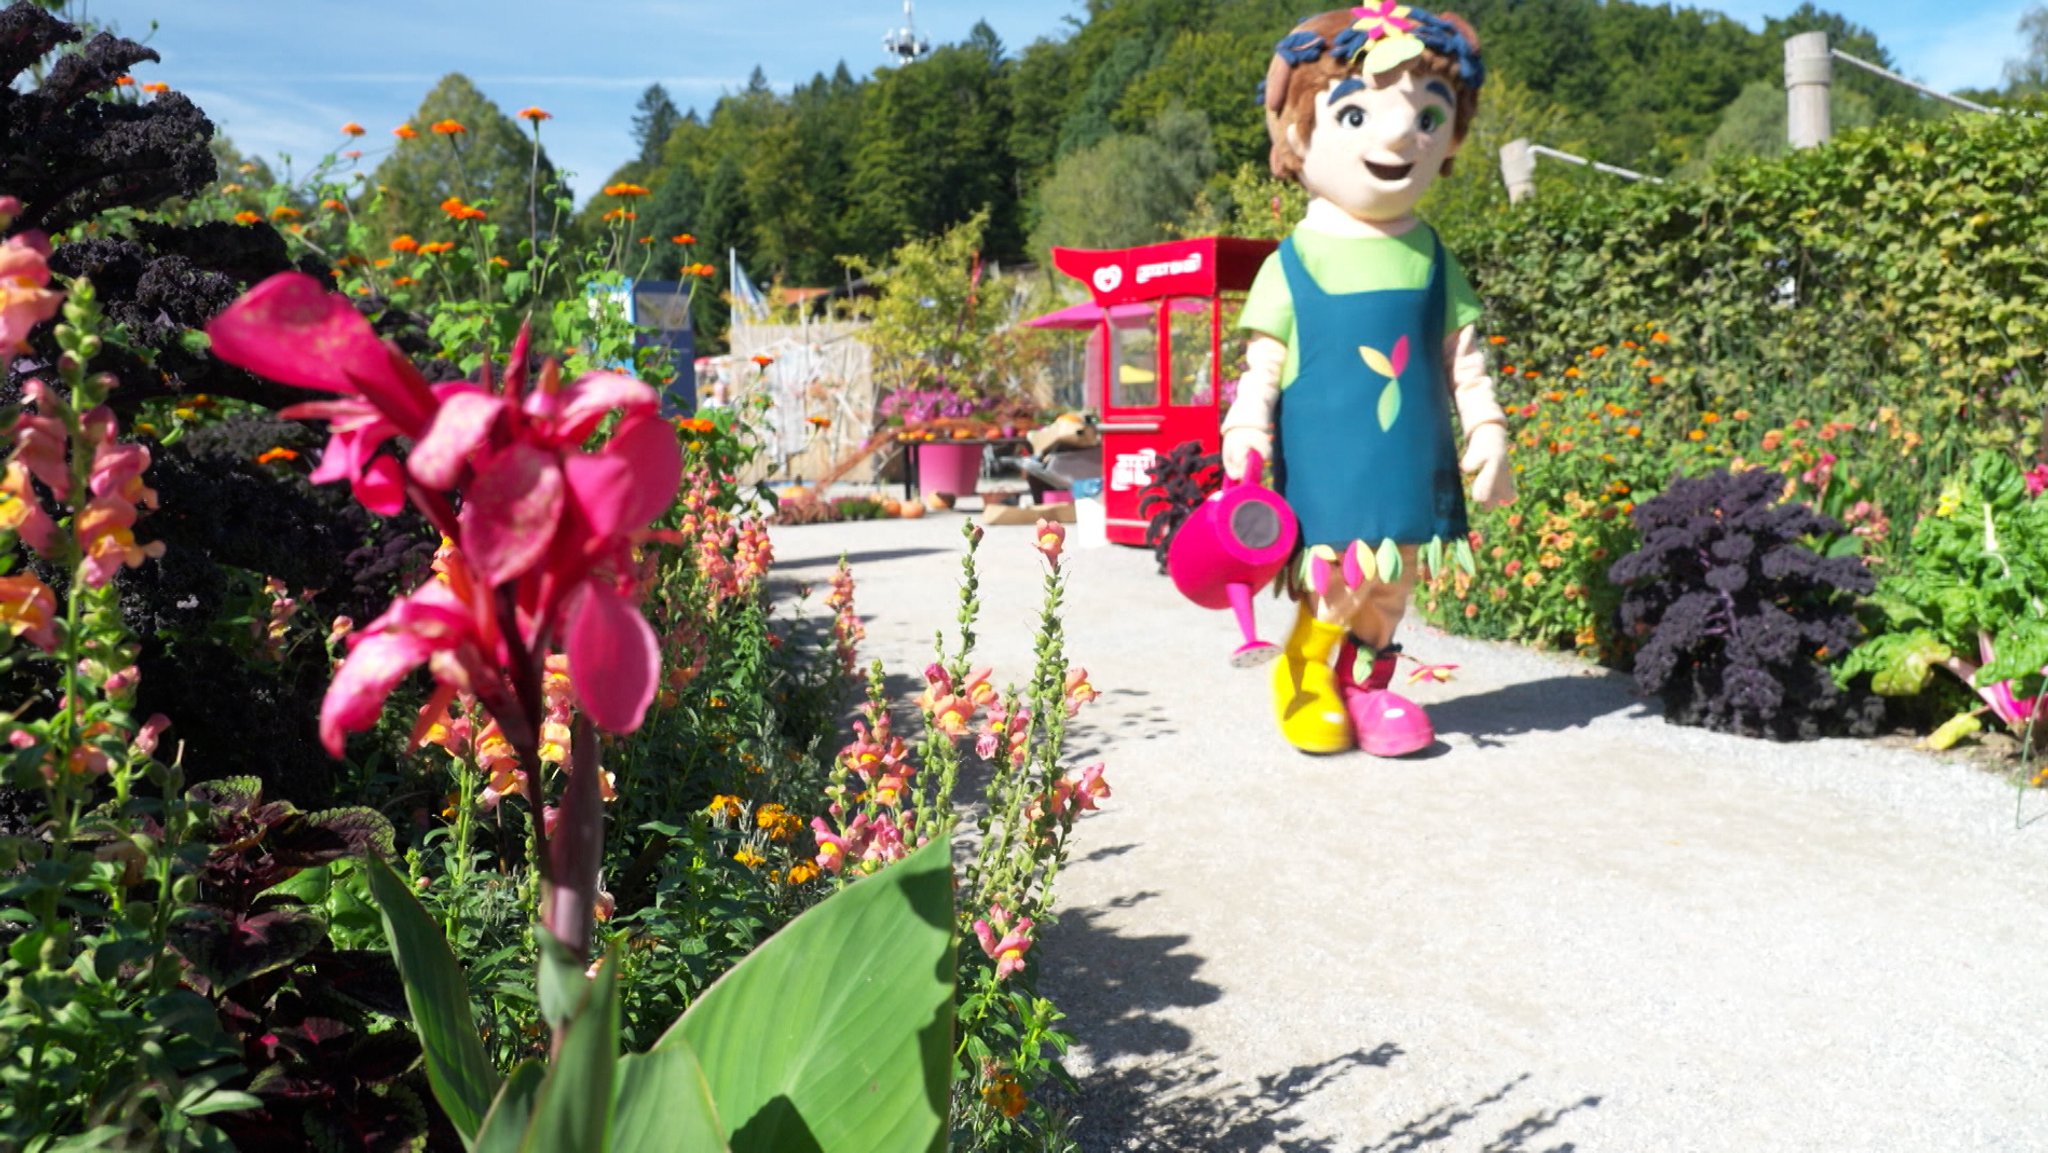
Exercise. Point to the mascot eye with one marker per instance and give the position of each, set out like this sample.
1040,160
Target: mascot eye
1430,120
1351,117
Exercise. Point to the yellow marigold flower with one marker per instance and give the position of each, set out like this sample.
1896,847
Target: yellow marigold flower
749,858
801,873
726,804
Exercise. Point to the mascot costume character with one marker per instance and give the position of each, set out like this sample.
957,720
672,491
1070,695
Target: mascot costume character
1363,342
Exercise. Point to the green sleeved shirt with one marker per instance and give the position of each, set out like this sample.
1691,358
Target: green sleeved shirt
1354,264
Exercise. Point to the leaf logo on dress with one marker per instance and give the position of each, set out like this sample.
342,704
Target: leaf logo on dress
1389,366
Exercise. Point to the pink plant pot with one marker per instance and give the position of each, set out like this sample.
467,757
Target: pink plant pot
948,468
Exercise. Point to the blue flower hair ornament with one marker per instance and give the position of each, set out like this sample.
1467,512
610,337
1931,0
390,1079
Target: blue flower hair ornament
1387,35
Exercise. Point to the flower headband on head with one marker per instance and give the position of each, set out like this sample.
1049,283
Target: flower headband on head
1386,35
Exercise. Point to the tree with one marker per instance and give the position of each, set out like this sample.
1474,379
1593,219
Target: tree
930,153
2029,74
654,118
1754,124
1125,190
490,163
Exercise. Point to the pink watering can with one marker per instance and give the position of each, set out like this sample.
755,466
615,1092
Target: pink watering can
1230,547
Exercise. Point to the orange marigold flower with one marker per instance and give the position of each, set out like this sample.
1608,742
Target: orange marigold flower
535,115
1532,374
1710,418
624,189
1660,337
157,88
1634,430
449,128
1496,340
246,217
1508,370
382,262
405,132
352,129
1656,380
403,282
1696,435
1572,372
277,454
1741,414
647,240
230,188
405,243
1597,351
682,238
124,81
284,212
763,360
820,421
436,248
1641,362
501,262
354,154
333,205
457,210
695,424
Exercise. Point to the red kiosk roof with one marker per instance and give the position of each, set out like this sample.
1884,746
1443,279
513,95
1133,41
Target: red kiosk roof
1205,266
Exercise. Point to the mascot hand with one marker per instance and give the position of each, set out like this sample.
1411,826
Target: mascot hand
1486,457
1241,442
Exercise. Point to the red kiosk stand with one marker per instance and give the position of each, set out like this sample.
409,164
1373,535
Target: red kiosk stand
1161,347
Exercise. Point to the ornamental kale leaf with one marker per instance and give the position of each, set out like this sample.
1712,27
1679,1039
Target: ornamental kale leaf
1737,616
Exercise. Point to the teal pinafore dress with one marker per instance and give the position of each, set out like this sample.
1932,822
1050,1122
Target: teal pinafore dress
1363,437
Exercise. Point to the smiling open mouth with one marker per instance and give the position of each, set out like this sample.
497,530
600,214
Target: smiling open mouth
1389,171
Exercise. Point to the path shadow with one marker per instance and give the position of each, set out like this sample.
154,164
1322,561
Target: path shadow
1444,1123
1185,1103
1551,705
1116,988
856,559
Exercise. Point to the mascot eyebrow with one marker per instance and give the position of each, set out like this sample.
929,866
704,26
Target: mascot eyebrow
1439,88
1345,87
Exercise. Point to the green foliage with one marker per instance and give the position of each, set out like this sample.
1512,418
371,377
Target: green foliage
1754,124
835,1035
929,327
1124,190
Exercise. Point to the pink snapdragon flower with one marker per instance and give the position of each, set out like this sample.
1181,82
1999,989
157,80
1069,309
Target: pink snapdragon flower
26,298
1004,943
1049,537
1079,691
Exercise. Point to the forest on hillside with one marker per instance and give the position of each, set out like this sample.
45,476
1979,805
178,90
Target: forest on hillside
1140,120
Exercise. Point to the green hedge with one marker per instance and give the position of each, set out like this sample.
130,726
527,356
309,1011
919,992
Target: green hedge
1901,267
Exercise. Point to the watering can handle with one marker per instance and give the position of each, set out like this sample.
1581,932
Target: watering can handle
1254,469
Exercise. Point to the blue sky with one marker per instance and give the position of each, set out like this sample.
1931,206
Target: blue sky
281,76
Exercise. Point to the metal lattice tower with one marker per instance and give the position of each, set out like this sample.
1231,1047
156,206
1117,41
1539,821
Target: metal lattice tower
904,43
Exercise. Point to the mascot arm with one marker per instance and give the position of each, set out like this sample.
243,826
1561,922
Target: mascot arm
1248,426
1486,426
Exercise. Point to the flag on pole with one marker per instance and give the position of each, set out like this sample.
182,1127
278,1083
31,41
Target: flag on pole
744,294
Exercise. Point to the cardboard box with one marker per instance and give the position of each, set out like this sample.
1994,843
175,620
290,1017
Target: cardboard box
997,515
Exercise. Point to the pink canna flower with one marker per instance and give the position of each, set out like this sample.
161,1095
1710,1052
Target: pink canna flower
26,299
2037,480
436,624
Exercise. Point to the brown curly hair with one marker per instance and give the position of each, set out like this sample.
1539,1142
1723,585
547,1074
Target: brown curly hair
1291,89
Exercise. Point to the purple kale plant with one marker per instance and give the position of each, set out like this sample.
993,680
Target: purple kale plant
1736,614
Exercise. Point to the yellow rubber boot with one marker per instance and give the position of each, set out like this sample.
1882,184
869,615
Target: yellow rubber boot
1305,698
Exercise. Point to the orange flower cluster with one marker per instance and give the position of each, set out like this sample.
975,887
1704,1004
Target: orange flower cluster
696,424
457,210
704,270
624,189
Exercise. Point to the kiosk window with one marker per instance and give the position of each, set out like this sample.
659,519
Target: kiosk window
1136,360
1190,354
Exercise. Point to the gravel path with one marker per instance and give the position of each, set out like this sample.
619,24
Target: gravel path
1572,927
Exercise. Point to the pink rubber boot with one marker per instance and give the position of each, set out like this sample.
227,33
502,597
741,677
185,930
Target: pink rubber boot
1387,723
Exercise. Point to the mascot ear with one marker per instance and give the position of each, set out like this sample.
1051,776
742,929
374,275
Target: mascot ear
1283,160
